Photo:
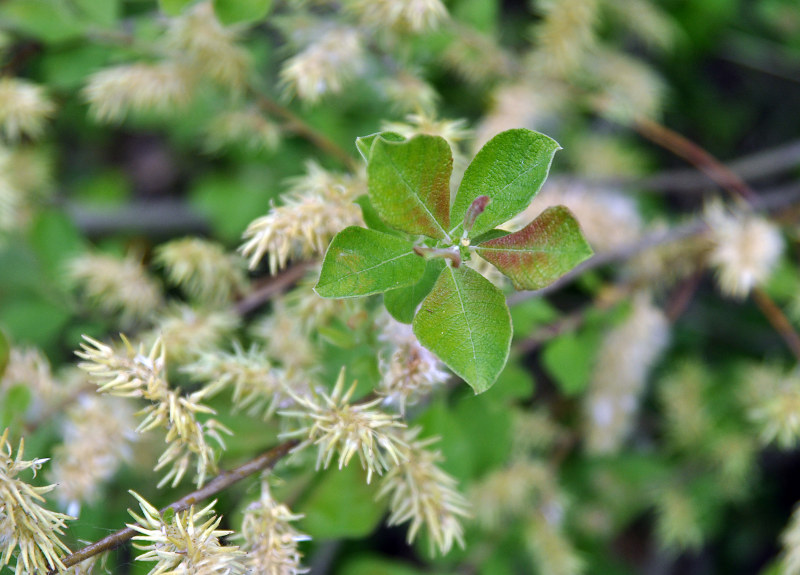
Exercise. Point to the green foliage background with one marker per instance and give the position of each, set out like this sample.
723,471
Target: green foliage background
732,77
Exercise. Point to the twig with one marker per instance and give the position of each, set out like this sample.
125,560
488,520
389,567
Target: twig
778,319
687,180
645,243
266,460
695,155
273,287
297,125
740,190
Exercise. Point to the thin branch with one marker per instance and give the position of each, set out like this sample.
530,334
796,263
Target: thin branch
275,286
781,198
695,155
265,461
687,180
299,126
692,228
777,319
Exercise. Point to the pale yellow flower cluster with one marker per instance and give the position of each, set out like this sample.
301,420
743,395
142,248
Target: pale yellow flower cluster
195,47
24,109
401,15
161,87
28,532
270,540
565,34
192,331
116,285
96,440
772,398
419,491
624,361
746,249
131,373
184,543
325,66
257,384
247,127
411,371
199,41
334,425
552,551
316,208
202,269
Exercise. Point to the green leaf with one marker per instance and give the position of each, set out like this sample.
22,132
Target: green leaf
5,353
102,12
465,321
371,217
51,21
341,505
569,359
409,184
364,143
173,7
375,565
510,169
402,303
236,11
15,405
364,262
541,252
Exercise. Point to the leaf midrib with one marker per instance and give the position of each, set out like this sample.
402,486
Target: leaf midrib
365,270
466,320
415,195
501,190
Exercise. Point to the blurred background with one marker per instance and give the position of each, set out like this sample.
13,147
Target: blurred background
649,418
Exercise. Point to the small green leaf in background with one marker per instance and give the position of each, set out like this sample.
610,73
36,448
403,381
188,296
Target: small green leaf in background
51,21
402,303
375,565
14,406
409,184
541,252
465,321
173,7
569,358
341,504
102,12
530,315
363,262
5,353
510,169
237,11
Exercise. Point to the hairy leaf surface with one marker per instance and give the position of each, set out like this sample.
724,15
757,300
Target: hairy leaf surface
465,321
409,184
364,262
541,252
510,169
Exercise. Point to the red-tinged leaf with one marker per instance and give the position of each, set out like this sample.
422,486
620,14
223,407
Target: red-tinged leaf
541,252
409,184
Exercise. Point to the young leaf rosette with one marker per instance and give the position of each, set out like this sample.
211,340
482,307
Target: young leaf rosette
418,241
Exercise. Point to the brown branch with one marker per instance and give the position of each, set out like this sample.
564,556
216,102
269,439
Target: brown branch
739,189
276,285
299,126
687,180
695,155
266,460
777,319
